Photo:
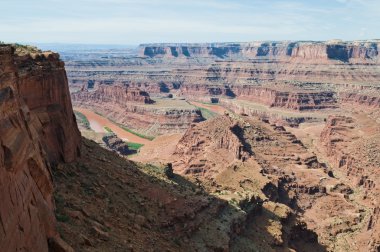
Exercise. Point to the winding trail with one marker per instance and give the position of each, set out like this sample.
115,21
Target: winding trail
98,122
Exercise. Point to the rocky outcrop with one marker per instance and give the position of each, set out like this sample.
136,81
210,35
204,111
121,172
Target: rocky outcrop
148,119
281,98
219,135
116,144
366,100
275,162
42,84
37,129
133,107
356,157
119,94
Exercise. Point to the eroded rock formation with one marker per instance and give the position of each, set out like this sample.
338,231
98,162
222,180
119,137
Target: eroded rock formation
287,172
121,95
37,130
355,156
294,76
332,50
134,108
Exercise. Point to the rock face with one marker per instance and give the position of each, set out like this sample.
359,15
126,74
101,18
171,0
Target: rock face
366,100
272,97
116,144
289,75
132,107
121,95
161,215
356,157
220,136
37,129
287,172
334,50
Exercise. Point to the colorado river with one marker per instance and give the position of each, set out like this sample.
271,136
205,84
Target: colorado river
98,122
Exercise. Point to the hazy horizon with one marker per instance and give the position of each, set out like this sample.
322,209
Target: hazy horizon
132,22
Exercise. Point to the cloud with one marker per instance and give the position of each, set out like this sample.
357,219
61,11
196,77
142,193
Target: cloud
138,21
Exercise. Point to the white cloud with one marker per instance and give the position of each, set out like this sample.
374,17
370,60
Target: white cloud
123,21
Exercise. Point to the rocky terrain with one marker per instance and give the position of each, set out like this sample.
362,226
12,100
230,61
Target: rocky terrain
134,108
37,131
236,157
286,161
358,51
301,77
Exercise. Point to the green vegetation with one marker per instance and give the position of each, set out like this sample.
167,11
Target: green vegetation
136,133
82,119
206,113
62,217
128,130
25,49
134,146
108,129
60,204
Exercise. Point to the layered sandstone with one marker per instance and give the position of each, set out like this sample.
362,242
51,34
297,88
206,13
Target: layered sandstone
134,108
277,164
220,136
334,50
121,95
299,76
165,116
355,157
37,129
281,97
368,100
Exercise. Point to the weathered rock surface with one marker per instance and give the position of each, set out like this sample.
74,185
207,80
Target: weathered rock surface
355,156
37,129
116,144
287,172
294,76
332,50
121,95
164,116
164,214
371,100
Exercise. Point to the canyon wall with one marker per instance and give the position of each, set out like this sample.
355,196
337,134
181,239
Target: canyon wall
333,50
281,98
37,130
119,94
300,76
132,107
355,156
366,100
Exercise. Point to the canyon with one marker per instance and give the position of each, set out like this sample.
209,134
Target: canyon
296,79
279,109
259,146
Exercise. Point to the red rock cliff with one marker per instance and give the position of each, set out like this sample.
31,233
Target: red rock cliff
37,129
357,51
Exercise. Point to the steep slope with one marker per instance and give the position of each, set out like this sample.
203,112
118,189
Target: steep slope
144,210
238,156
351,145
37,130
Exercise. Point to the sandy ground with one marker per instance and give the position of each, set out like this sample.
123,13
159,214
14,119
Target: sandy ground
97,123
214,108
158,151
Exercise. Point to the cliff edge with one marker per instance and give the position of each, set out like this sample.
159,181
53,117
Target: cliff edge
37,131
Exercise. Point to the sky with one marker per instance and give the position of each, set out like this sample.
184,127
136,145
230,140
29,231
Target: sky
132,22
